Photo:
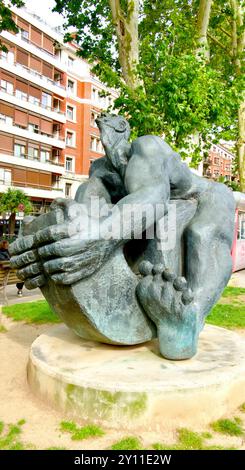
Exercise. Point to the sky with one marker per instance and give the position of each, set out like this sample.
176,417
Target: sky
43,9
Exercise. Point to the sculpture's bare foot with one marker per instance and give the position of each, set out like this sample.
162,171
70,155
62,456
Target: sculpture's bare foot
168,301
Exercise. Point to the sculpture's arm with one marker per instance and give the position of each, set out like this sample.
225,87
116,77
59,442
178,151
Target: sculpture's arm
148,187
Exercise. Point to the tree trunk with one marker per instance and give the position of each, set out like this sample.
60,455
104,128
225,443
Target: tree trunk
241,145
203,18
12,223
128,39
238,43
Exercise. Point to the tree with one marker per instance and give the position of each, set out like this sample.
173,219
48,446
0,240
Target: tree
6,21
152,51
13,201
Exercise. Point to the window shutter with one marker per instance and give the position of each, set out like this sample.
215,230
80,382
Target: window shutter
22,86
22,57
36,36
6,143
36,92
35,64
48,71
21,118
48,44
34,120
47,126
6,110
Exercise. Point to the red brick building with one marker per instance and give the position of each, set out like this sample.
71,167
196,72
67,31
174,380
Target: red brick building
219,163
48,104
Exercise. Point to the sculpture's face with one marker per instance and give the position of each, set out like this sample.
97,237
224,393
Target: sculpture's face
112,129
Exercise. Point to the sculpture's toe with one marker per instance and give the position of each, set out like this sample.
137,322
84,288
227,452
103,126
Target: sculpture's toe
145,268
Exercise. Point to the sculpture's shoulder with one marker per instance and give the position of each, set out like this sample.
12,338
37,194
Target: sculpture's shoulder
149,145
99,167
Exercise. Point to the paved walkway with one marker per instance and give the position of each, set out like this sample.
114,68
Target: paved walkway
12,297
238,279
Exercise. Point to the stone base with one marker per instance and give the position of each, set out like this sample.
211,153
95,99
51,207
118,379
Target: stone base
134,387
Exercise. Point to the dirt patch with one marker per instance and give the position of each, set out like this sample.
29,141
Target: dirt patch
42,422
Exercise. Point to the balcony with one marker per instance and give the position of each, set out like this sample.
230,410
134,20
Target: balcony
28,161
36,107
32,190
34,49
32,76
54,140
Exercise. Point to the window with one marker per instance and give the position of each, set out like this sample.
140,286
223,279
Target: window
24,35
70,62
19,150
5,176
93,118
6,119
7,87
33,128
94,94
71,86
21,95
68,190
70,113
95,145
44,155
46,100
34,100
216,161
69,164
70,139
33,153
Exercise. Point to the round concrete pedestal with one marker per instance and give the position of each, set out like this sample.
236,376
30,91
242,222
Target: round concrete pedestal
134,387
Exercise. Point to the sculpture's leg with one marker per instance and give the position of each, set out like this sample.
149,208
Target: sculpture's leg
178,306
169,303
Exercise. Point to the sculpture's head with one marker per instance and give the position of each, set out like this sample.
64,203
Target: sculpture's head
113,130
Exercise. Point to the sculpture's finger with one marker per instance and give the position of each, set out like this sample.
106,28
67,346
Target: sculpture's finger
30,271
70,264
38,281
187,296
180,284
24,259
71,278
57,232
66,247
21,245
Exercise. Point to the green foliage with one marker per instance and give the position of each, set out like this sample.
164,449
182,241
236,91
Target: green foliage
227,426
31,312
6,21
181,95
81,433
2,329
242,408
189,440
10,201
9,439
227,315
127,443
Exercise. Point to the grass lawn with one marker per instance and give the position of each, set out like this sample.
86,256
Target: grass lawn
31,312
227,315
232,313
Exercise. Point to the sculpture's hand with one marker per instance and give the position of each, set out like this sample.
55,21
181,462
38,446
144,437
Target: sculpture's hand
73,259
25,258
168,301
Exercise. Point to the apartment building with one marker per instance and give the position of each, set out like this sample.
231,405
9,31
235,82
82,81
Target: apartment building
49,101
219,163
